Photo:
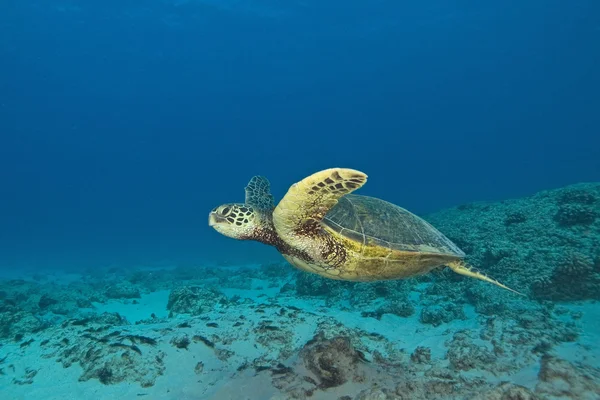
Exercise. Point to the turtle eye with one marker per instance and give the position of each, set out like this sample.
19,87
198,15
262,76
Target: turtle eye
225,211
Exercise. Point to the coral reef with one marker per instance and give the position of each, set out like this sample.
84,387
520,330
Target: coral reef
575,278
529,242
575,214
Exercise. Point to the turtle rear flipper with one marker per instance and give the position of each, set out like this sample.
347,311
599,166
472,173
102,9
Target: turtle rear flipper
258,194
463,269
308,201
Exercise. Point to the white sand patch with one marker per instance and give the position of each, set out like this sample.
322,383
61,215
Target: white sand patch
587,347
150,303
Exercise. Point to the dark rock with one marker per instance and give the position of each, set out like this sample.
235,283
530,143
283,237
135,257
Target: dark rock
193,300
46,301
507,391
575,214
441,313
122,291
421,355
333,361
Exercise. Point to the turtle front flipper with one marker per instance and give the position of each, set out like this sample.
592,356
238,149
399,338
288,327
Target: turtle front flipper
258,194
307,202
463,269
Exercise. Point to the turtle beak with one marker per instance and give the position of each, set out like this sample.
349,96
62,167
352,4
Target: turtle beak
214,219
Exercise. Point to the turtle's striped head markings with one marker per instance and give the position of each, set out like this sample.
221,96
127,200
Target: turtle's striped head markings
233,220
249,220
252,220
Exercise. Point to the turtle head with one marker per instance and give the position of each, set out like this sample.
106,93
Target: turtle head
235,220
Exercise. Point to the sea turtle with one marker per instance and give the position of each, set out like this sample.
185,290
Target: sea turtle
320,227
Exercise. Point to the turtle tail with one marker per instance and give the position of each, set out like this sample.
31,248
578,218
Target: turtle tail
460,267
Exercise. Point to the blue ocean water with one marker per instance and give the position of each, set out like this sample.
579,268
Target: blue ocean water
123,123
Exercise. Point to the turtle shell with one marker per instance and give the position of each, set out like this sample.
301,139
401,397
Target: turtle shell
376,222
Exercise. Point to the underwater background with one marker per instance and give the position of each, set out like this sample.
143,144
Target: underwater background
123,123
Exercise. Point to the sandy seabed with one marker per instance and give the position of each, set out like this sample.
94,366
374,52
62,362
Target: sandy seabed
245,333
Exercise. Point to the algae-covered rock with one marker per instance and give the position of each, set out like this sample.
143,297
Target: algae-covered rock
441,313
333,361
464,355
507,391
558,377
123,290
19,324
308,284
193,300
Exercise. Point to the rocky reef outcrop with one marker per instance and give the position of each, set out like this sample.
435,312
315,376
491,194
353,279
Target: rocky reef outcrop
547,245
